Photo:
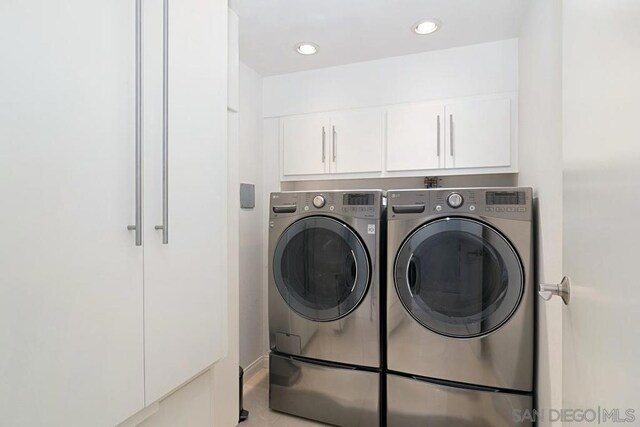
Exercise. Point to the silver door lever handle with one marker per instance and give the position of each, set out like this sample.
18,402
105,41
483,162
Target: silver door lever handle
562,289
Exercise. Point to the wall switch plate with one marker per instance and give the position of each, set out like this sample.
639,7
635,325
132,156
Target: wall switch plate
247,196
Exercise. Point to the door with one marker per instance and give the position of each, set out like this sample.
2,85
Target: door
356,142
458,277
478,133
71,326
321,268
601,342
305,145
414,137
185,265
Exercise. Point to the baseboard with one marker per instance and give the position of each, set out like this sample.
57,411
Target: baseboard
256,366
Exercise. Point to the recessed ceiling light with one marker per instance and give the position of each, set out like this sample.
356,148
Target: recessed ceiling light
306,48
426,26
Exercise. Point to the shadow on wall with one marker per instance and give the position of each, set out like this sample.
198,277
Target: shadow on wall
497,180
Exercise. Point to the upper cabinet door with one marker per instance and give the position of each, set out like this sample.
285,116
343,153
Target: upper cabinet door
71,337
356,141
185,277
479,133
305,145
415,137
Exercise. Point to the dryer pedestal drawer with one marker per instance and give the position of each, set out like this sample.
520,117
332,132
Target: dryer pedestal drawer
418,403
328,393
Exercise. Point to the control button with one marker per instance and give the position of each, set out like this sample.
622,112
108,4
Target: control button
438,208
319,201
331,208
499,209
306,208
472,208
511,209
455,200
488,209
522,209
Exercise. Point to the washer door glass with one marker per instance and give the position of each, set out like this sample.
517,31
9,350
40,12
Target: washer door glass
459,277
321,268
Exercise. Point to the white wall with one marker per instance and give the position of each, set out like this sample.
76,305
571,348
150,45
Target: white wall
251,220
464,71
540,80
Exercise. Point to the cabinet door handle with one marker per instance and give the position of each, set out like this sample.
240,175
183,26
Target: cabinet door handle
438,138
165,124
138,127
451,134
335,143
324,135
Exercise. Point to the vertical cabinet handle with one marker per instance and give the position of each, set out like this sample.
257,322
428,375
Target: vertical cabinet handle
138,131
324,134
165,124
335,143
451,134
438,137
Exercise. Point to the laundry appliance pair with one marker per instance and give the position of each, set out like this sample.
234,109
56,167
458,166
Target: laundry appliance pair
402,308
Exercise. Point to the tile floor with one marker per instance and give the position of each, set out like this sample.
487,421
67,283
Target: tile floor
256,401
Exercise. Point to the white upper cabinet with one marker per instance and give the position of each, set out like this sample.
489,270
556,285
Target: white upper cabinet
356,141
479,133
71,296
185,265
306,144
460,136
415,137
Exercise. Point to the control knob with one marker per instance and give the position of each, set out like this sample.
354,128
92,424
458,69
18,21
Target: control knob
455,200
319,201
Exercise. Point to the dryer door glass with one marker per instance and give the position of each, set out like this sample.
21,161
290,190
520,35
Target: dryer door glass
321,268
459,277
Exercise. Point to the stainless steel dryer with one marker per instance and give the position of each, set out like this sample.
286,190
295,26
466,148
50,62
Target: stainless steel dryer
460,306
324,305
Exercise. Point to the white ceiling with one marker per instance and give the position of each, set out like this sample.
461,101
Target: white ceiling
360,30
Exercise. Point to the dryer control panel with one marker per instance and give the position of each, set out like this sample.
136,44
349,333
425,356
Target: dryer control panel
508,203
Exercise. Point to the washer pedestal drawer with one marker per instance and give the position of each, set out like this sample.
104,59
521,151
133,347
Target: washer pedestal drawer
418,403
324,392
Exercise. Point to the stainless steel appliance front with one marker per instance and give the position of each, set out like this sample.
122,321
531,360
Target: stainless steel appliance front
416,402
459,285
328,393
324,268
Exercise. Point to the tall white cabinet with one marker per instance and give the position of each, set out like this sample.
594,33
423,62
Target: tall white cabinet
185,266
93,327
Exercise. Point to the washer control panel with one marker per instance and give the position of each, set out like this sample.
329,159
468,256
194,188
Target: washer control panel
319,201
361,204
455,200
